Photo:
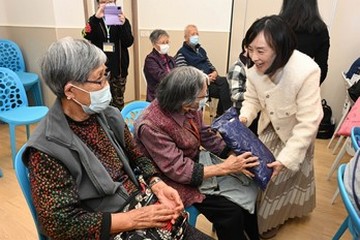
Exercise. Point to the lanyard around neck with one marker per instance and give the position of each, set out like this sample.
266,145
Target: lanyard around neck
107,28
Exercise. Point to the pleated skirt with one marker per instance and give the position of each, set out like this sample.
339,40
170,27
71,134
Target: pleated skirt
290,194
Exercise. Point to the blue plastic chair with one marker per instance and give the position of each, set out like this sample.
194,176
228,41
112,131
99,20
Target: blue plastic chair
11,57
193,214
352,221
131,112
14,109
355,137
22,175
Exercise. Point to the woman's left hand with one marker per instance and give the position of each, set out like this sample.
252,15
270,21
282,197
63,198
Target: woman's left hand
122,18
276,166
169,197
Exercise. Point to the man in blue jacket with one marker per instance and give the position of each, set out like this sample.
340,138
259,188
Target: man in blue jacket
192,54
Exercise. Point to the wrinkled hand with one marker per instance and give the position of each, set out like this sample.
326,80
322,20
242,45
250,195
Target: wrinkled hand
156,215
241,163
169,197
276,166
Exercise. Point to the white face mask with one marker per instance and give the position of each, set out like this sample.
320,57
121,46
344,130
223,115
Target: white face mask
194,40
202,103
164,48
99,100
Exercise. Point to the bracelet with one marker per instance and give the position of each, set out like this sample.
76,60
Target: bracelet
154,181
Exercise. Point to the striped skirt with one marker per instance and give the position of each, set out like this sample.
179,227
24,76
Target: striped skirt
290,194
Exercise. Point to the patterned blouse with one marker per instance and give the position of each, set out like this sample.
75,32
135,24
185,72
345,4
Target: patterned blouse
55,192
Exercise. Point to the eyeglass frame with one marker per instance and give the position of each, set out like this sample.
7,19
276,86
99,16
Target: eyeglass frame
100,81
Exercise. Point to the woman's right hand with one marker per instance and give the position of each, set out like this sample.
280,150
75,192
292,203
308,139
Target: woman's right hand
243,120
100,11
240,163
156,215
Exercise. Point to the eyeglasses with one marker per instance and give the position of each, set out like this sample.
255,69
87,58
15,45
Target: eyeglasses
206,96
101,81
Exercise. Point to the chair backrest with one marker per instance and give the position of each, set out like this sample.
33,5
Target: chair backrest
12,91
355,137
354,219
131,112
11,56
22,175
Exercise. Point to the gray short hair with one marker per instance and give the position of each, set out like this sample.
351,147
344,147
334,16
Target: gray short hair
186,30
181,86
156,34
69,59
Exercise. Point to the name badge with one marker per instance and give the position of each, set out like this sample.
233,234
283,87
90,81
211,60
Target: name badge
108,47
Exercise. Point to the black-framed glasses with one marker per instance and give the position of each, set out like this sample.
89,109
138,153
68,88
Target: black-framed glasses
102,80
205,96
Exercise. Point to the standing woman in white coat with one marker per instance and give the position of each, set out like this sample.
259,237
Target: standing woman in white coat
283,85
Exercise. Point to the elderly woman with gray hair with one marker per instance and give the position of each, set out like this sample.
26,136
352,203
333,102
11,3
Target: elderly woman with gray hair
157,63
171,131
82,157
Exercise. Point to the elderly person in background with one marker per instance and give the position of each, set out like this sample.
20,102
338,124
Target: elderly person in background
171,131
157,63
82,157
192,54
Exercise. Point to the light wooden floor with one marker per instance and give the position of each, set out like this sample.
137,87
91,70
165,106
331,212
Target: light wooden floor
16,221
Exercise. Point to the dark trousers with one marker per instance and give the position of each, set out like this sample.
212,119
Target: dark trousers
230,220
220,89
117,88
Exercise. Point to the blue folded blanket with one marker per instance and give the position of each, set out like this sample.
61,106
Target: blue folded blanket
240,139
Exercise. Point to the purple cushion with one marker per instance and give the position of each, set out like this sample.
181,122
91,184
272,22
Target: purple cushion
240,139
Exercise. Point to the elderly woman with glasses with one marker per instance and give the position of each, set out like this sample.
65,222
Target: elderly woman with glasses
82,157
171,132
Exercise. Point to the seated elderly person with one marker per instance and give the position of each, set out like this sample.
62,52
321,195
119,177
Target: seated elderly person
157,63
171,131
193,54
82,157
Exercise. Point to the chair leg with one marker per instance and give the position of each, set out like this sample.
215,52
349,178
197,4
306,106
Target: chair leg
331,140
337,144
37,94
342,229
338,158
345,112
335,196
27,131
12,143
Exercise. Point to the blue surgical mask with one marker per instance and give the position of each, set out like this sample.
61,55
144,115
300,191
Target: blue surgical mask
194,40
202,103
99,100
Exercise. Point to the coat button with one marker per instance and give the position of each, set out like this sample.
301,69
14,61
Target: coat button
277,128
267,96
287,114
271,113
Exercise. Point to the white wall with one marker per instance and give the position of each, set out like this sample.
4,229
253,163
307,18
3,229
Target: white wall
208,15
42,13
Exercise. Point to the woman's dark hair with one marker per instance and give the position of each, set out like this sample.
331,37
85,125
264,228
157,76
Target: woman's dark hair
180,87
244,58
278,35
302,15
